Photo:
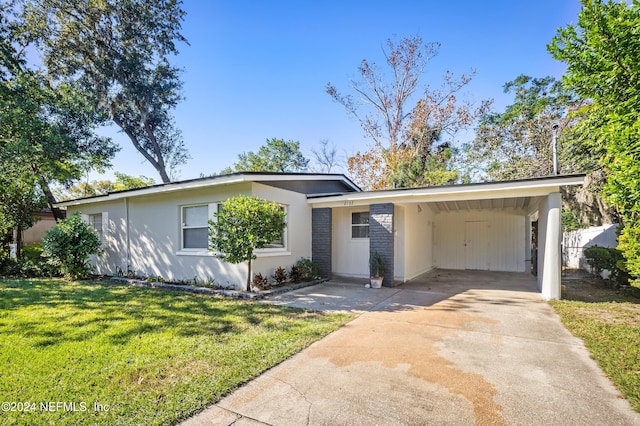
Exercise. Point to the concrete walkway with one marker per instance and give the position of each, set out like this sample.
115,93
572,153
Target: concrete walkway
454,348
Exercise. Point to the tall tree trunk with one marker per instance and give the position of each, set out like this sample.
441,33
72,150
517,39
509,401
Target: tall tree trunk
249,277
51,200
18,242
158,163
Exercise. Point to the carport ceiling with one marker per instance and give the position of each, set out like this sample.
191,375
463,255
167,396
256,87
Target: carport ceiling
469,205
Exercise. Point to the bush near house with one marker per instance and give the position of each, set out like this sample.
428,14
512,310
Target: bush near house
30,265
608,259
69,244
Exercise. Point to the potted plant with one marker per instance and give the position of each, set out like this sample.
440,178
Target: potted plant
376,265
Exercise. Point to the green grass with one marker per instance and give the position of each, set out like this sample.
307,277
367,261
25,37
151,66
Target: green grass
608,321
152,357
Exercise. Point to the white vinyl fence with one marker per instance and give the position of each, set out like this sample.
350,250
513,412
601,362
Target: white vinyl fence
574,243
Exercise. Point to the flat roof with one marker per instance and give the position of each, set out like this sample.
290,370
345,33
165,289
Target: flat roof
529,187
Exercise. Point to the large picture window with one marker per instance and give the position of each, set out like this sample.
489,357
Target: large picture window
360,225
195,227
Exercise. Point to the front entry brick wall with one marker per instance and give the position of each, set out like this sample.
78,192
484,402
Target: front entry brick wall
321,240
381,237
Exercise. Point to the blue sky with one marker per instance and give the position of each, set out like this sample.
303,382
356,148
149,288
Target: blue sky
257,69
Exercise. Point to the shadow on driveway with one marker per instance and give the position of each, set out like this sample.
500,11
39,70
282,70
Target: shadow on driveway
451,347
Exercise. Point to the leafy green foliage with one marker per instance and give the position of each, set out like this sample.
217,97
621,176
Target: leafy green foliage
69,244
517,143
20,200
280,275
244,224
569,221
601,53
431,167
118,52
295,274
46,130
277,155
102,187
376,265
308,269
609,259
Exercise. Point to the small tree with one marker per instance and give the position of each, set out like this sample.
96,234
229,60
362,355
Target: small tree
69,244
244,224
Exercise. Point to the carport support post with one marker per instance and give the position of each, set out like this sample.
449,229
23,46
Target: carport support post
549,247
381,237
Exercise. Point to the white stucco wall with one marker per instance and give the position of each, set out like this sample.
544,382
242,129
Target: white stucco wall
574,243
350,256
114,254
151,243
503,240
414,240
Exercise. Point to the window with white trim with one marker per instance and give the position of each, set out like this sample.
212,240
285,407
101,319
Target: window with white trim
195,228
95,221
280,243
195,225
360,225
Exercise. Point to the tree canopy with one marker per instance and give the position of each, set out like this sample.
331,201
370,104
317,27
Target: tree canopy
46,131
412,142
119,53
102,187
276,155
518,143
602,54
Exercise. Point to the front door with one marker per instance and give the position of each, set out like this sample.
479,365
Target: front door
476,243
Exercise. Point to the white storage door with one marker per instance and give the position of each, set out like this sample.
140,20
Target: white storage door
477,245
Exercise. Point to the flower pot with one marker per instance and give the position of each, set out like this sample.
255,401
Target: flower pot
376,282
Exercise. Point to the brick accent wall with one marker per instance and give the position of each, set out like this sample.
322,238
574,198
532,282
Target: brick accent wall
321,240
381,237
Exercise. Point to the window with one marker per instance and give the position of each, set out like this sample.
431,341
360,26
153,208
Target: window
95,221
195,230
360,225
195,227
280,243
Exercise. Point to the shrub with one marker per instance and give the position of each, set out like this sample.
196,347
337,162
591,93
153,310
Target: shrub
69,244
155,279
308,269
30,265
259,282
296,274
280,275
609,259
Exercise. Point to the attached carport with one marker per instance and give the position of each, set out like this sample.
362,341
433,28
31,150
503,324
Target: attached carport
483,226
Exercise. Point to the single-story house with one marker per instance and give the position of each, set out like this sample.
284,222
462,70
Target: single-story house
162,229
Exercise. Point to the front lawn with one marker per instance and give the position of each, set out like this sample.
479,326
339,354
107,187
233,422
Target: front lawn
99,353
608,321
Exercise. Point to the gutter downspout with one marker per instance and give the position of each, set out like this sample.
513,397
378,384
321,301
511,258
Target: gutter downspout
126,230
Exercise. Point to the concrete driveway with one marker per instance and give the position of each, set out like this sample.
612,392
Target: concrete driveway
453,347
